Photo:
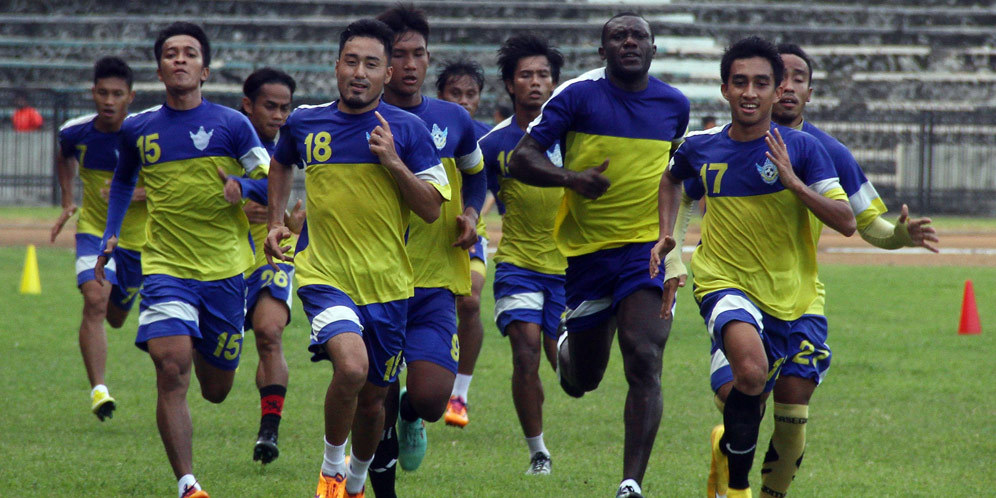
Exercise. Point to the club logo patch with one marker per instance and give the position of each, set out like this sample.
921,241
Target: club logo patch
439,136
554,154
201,138
768,171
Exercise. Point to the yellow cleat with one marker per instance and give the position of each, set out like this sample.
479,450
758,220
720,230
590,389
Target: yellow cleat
719,468
103,405
738,493
456,412
331,487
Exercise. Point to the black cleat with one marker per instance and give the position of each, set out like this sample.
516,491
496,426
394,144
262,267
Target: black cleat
266,449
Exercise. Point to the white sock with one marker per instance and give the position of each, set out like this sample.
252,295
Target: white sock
633,484
536,445
99,387
335,459
356,475
186,480
461,385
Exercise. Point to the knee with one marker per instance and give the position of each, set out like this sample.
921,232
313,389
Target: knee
94,304
350,374
525,358
172,373
750,376
468,305
429,406
589,379
115,316
268,337
643,365
215,393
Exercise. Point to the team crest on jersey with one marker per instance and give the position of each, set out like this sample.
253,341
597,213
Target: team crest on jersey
768,171
201,138
554,155
439,136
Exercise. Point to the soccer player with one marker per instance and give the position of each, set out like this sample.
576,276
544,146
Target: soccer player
619,126
438,251
193,293
462,82
808,365
266,101
91,143
529,278
755,269
367,165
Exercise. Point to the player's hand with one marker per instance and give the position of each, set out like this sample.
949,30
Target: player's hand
105,192
98,269
67,212
233,189
670,290
466,231
255,212
138,194
382,143
661,248
920,230
295,221
272,246
590,183
778,153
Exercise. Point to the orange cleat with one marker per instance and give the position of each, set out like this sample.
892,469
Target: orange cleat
456,412
331,487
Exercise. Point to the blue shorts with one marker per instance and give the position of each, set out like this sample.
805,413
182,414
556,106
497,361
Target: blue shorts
431,333
381,325
528,296
210,312
480,250
87,250
797,347
278,283
596,283
129,277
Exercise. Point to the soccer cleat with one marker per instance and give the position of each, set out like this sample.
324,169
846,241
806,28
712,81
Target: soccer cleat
565,383
738,493
266,449
456,412
357,495
103,405
627,491
331,487
412,442
540,465
193,492
719,468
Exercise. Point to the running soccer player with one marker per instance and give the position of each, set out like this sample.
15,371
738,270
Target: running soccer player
808,365
91,143
462,82
755,269
619,126
438,251
193,293
529,278
354,274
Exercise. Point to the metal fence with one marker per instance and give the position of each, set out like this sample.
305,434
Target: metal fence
937,161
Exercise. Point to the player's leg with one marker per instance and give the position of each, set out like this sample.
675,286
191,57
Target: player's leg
383,469
527,391
270,314
128,272
172,356
583,351
470,331
91,335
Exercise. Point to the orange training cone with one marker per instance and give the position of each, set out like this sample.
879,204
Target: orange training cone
969,313
30,282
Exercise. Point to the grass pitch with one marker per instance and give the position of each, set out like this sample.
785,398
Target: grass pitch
907,409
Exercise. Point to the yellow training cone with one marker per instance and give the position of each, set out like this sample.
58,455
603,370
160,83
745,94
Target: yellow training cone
30,282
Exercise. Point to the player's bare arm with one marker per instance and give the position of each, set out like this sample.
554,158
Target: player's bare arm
66,170
423,199
278,192
530,164
668,201
98,269
833,213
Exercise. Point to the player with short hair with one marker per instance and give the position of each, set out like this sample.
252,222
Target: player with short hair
438,251
462,82
193,293
368,165
91,143
529,278
755,269
619,126
800,376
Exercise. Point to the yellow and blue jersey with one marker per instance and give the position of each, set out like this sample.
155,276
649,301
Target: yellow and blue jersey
430,245
354,239
595,121
256,191
481,129
97,154
192,231
528,212
756,235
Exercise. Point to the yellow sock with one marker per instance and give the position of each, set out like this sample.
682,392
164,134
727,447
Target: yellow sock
788,443
719,403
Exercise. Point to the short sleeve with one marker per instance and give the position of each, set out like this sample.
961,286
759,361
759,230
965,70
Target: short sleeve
286,152
680,167
246,145
420,155
555,118
67,142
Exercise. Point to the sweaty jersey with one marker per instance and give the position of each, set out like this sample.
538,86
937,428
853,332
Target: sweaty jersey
596,121
97,154
193,232
430,245
354,239
756,234
529,212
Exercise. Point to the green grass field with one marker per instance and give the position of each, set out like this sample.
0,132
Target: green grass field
907,410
